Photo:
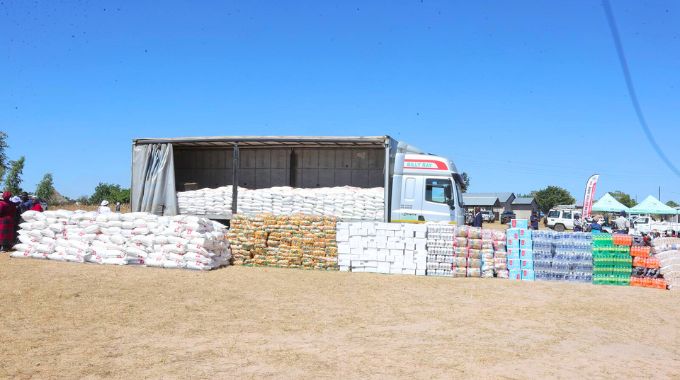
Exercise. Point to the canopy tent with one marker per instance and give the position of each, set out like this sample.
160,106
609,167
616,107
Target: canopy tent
609,204
652,205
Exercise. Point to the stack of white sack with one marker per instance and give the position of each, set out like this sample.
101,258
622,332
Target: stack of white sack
345,203
205,201
667,250
123,239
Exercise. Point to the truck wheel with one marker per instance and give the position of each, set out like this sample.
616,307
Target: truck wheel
559,227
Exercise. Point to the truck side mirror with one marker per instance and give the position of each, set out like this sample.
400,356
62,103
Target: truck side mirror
452,204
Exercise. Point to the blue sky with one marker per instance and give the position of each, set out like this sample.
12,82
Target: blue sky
519,94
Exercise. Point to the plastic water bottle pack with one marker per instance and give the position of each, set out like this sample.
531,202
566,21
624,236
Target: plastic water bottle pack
563,256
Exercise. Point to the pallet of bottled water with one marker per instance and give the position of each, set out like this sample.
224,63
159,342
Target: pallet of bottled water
563,256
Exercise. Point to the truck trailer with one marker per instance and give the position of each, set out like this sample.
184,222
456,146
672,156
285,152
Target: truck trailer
417,186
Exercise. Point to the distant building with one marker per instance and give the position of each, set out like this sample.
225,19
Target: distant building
496,202
523,207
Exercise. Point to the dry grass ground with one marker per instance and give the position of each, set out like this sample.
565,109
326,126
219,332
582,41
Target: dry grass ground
62,320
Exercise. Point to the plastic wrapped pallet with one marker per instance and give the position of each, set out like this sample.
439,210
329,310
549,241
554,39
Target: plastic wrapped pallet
296,241
441,243
123,239
398,248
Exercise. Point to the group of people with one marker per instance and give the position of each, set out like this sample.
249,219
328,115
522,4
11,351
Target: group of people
11,208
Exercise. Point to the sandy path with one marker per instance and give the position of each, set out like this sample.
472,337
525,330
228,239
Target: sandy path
73,320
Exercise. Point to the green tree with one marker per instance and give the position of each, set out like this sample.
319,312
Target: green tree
672,204
109,192
45,189
466,182
3,154
13,179
552,196
624,198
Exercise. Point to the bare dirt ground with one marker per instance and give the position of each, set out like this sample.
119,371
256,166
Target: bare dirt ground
63,320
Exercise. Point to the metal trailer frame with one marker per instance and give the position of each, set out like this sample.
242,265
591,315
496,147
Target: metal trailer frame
386,142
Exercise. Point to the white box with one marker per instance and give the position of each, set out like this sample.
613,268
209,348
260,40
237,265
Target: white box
420,234
355,242
358,269
379,232
396,252
383,267
422,228
370,270
343,248
408,271
370,254
344,268
420,272
356,251
342,226
421,246
342,235
410,246
389,233
344,260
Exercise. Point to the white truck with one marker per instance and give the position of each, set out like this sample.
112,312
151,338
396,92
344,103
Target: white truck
417,186
646,224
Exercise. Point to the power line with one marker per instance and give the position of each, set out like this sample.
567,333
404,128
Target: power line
631,89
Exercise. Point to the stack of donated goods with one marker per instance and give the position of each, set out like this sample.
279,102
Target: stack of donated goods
667,251
346,203
296,241
123,239
520,256
376,247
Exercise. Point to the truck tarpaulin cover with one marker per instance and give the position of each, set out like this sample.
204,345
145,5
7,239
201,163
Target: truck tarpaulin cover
153,179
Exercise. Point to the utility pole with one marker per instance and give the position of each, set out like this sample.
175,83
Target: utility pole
659,193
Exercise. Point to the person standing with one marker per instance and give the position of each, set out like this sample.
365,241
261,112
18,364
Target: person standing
104,207
26,203
477,222
622,223
578,225
7,222
36,205
534,220
117,206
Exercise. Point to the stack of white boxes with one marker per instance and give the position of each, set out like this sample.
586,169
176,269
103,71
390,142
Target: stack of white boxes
397,248
440,249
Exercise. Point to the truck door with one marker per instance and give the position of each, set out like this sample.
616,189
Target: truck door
411,198
438,195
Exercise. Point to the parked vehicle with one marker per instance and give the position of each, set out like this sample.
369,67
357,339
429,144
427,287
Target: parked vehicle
417,186
646,224
488,216
561,219
508,215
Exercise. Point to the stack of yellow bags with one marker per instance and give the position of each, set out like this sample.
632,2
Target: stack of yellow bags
296,241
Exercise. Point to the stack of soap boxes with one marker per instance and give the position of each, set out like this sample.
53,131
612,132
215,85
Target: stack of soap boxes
398,248
520,253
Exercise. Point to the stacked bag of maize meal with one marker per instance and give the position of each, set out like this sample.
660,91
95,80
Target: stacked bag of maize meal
296,241
123,239
346,203
667,251
205,201
462,251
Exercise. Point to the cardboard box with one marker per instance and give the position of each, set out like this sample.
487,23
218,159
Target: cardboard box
526,264
528,275
524,233
525,243
512,243
514,274
526,254
519,223
514,264
514,253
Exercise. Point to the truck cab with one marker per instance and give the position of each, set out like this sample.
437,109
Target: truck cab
426,188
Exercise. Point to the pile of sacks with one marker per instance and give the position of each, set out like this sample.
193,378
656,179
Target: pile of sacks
667,251
346,203
374,247
123,239
297,241
206,201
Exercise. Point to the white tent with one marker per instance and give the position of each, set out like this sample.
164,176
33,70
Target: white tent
609,204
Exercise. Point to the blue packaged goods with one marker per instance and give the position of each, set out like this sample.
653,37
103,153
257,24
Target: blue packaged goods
526,254
514,274
526,264
519,223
